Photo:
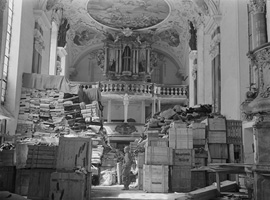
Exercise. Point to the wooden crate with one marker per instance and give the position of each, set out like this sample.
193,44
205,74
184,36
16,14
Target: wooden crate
159,156
74,152
7,158
41,157
180,177
39,184
198,179
21,155
199,162
217,124
198,142
180,138
141,159
70,186
133,146
153,133
155,178
198,131
7,178
183,157
22,181
211,178
178,124
219,151
234,132
157,142
216,160
219,137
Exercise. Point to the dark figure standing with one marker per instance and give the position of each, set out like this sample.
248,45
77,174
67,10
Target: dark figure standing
126,167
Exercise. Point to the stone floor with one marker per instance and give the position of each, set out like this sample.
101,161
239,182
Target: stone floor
115,192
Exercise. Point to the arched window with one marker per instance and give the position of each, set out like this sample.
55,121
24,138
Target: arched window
126,59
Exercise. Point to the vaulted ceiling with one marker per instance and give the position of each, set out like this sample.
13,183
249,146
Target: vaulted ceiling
167,22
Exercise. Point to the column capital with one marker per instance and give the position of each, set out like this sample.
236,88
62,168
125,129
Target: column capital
257,6
193,54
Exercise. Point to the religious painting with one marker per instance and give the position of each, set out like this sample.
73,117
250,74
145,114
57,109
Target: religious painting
171,37
133,14
83,36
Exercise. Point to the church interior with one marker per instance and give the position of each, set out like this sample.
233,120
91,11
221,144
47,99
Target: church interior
134,99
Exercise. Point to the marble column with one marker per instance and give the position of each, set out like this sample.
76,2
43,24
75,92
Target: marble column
105,60
193,55
109,111
259,34
143,112
126,103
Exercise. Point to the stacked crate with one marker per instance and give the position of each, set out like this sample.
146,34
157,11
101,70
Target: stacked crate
72,179
217,145
199,139
35,163
158,157
7,170
181,140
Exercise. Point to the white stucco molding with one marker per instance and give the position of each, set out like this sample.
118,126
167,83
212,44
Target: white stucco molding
42,19
61,52
3,5
214,46
193,54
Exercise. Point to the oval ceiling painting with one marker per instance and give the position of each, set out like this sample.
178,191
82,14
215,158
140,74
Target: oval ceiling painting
133,14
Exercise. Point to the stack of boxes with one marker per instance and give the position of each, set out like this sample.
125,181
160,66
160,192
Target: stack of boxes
181,141
158,157
72,179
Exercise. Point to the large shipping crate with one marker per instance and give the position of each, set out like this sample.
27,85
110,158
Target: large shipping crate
157,142
159,156
140,178
234,132
7,158
155,178
183,157
198,179
70,186
219,151
198,131
7,178
39,184
219,137
41,157
21,155
180,177
217,124
74,152
180,138
22,181
141,160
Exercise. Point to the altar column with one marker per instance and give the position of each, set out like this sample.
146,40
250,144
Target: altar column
126,103
143,112
109,111
154,106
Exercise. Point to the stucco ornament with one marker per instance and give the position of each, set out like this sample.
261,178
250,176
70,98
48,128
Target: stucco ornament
127,32
257,5
39,42
3,5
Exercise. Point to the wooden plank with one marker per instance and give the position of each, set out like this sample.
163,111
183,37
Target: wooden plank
141,159
22,181
39,184
70,186
180,177
159,156
74,152
219,151
7,178
155,178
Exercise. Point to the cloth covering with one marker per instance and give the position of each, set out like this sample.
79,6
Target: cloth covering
44,82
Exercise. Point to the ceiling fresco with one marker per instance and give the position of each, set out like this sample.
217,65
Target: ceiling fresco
164,22
133,14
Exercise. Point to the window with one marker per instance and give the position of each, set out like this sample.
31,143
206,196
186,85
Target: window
4,75
126,59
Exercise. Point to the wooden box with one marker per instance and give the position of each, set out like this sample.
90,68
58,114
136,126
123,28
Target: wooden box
158,142
198,179
216,160
219,137
198,142
74,152
199,162
155,178
153,133
217,124
22,181
159,156
198,131
180,177
7,178
234,132
41,157
70,186
39,184
219,151
183,157
180,138
7,158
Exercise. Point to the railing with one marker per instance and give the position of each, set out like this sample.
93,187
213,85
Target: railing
139,88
